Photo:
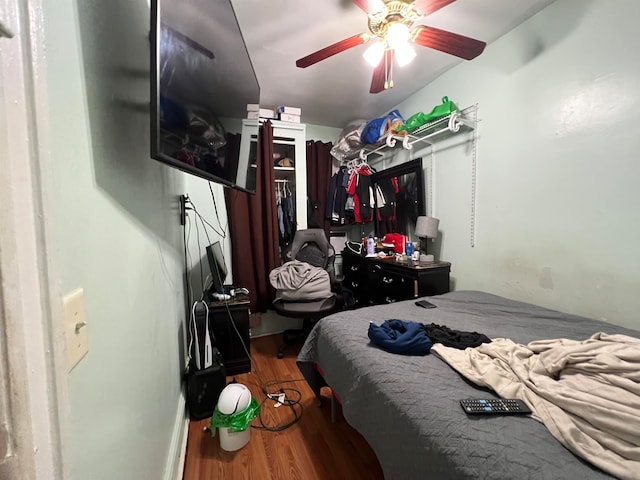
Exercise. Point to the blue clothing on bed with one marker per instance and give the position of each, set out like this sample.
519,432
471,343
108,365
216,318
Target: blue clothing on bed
400,336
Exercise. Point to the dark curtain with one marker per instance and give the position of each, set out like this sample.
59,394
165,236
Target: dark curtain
232,151
319,164
253,227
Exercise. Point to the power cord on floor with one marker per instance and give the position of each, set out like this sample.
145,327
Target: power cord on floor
292,397
287,397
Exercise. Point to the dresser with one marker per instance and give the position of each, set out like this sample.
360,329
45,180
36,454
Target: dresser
374,280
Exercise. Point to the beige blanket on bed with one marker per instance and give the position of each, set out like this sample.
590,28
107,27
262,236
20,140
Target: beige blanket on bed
587,393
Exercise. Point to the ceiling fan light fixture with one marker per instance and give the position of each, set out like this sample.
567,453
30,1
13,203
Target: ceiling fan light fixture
389,23
374,53
397,35
405,54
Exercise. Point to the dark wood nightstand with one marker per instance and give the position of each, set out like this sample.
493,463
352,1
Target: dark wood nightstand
375,280
222,317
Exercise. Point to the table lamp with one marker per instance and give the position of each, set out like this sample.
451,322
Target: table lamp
426,228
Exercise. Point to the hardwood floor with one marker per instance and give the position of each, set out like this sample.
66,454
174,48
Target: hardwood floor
313,448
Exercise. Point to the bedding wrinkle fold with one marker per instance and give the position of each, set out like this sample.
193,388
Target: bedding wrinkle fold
587,393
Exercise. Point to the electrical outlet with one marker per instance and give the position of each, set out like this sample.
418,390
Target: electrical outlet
75,328
183,209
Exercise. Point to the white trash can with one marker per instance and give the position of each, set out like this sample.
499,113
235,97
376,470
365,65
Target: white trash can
232,441
233,399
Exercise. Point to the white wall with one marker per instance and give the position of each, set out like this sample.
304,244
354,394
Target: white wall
321,133
558,173
118,237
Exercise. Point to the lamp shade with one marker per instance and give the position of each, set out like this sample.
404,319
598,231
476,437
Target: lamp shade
373,54
427,227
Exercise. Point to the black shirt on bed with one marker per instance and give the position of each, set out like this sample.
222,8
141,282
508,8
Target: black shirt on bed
454,338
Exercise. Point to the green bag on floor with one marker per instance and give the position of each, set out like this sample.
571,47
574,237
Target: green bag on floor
236,422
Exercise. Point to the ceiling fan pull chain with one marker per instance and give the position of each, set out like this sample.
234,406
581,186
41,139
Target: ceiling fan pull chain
386,70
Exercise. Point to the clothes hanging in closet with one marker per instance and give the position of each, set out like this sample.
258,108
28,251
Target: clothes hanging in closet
337,197
286,215
350,197
361,189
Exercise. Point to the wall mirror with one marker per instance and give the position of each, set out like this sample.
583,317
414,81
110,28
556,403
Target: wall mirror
409,198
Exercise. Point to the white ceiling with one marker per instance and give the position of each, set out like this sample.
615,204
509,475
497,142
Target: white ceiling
335,91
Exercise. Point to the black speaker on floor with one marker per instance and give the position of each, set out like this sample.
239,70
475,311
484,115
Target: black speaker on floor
204,387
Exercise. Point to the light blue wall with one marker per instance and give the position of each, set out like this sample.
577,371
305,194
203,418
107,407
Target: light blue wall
210,227
321,133
558,169
118,237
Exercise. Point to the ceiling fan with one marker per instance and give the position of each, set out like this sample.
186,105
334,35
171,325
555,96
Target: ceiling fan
390,24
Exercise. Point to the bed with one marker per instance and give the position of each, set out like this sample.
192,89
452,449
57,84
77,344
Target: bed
407,407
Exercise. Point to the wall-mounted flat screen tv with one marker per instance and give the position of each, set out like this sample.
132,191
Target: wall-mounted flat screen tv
202,80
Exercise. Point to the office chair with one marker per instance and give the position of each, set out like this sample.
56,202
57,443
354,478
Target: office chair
313,247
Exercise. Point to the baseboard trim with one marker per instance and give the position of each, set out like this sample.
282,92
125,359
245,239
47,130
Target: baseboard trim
178,447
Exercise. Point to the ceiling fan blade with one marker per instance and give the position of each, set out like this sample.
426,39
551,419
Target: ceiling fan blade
448,42
427,7
381,74
331,50
370,6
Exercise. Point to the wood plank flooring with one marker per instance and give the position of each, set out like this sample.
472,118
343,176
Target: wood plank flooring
313,448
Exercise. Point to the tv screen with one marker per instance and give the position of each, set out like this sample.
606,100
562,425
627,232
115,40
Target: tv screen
217,266
202,80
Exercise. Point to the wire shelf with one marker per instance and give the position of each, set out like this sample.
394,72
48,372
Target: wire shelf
457,122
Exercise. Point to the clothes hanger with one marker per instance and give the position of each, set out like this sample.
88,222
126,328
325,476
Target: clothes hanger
353,166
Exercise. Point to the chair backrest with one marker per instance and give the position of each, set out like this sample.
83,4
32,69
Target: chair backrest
312,246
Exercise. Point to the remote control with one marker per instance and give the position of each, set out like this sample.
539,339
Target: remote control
494,405
425,304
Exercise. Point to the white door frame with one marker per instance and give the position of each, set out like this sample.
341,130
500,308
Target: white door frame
32,367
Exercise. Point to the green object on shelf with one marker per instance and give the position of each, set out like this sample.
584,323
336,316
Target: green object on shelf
415,121
447,107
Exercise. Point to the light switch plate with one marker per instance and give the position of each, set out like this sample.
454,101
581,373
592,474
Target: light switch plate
75,328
